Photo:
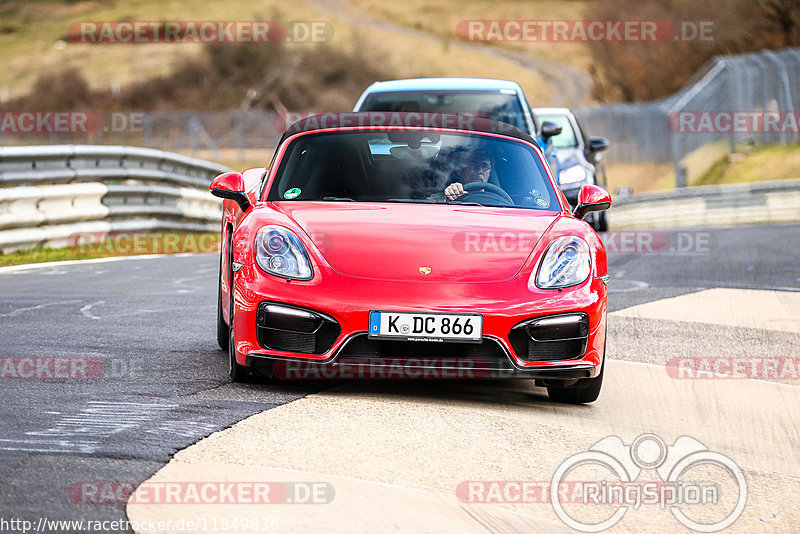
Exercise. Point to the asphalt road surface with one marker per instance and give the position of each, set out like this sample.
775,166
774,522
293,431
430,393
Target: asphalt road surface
150,380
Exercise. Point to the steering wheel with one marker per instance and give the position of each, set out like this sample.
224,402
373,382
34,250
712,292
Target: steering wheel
474,193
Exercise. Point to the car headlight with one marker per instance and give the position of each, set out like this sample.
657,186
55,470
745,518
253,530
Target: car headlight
567,262
280,252
571,175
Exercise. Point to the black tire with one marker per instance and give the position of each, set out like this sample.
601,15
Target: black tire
602,222
222,326
582,392
236,372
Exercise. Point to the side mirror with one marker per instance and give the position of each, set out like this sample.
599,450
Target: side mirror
231,186
591,198
598,144
549,129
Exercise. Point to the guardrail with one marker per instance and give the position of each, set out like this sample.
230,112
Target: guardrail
710,205
50,193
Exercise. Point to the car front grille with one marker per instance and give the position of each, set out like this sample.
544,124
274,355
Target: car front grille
488,354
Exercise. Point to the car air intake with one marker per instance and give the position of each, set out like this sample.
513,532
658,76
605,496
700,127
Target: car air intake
293,329
555,337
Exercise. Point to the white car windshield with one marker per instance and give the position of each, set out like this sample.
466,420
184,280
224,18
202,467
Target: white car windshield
495,105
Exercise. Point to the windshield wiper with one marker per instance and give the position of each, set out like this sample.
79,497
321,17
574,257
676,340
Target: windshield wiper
409,201
338,199
469,203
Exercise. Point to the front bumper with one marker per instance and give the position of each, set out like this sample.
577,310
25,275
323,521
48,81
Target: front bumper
330,339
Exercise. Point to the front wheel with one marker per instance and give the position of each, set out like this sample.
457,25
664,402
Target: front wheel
222,327
602,221
583,391
236,372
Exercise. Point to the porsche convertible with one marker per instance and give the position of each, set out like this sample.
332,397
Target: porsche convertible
414,246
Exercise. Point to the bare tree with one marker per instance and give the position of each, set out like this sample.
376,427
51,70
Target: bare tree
784,13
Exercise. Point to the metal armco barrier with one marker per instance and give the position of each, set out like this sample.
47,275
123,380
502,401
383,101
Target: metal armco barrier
711,205
49,193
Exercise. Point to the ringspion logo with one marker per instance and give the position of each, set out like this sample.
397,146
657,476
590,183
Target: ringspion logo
685,469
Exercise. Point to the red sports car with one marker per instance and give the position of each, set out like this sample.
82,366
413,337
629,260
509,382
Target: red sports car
385,245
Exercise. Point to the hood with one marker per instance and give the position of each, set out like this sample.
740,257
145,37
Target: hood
413,242
569,156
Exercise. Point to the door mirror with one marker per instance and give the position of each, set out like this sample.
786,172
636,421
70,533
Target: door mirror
591,198
598,144
549,129
231,186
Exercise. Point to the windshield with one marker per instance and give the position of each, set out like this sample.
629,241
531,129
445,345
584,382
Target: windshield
412,166
567,137
495,105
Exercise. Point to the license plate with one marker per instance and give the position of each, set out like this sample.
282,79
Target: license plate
409,326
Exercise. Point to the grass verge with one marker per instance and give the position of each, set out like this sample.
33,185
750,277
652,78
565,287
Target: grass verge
90,246
754,164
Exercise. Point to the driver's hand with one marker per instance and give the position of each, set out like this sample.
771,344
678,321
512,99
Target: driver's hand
453,191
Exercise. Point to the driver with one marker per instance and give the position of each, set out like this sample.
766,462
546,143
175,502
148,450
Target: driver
476,168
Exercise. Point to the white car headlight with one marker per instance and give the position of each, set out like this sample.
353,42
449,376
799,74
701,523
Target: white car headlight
567,262
279,252
571,175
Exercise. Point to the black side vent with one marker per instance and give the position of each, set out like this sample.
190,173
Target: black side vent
293,329
555,337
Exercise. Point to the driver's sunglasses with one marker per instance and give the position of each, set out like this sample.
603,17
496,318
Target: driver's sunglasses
482,166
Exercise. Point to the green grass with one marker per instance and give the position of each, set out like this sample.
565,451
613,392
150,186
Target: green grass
134,244
754,164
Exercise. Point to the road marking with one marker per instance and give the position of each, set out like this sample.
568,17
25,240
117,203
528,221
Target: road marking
103,419
39,307
48,445
746,308
30,266
86,309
